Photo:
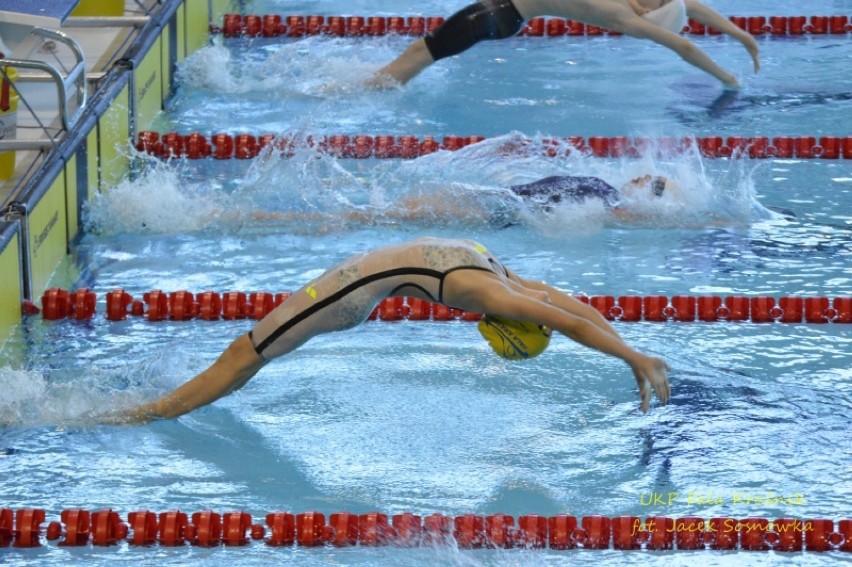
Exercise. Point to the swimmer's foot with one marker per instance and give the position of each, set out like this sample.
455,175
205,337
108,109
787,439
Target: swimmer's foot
334,88
382,82
731,85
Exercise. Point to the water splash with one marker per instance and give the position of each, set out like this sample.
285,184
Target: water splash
70,396
300,188
19,390
28,398
158,201
313,67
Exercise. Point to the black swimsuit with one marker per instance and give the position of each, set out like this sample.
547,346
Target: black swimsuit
486,19
562,188
344,296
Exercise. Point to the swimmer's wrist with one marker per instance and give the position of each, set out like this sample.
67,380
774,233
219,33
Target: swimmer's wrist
633,358
731,83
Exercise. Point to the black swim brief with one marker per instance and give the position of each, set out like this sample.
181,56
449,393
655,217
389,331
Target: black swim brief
486,19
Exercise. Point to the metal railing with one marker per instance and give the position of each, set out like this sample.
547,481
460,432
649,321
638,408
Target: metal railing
68,85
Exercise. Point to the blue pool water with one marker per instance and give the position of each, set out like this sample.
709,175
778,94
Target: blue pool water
420,416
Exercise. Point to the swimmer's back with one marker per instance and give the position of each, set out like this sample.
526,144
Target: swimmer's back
439,254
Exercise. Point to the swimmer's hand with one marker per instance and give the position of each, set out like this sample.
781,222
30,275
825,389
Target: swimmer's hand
650,372
753,49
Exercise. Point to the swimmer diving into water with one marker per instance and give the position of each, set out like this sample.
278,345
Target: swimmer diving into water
458,273
660,21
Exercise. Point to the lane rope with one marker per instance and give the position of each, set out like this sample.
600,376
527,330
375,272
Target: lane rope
222,145
299,26
182,305
79,527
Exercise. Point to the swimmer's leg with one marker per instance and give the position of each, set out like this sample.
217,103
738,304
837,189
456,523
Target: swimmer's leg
234,367
405,67
486,19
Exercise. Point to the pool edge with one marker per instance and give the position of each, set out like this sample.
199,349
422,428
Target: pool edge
45,220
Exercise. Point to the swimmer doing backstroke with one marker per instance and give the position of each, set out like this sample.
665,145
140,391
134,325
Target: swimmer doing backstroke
519,316
504,207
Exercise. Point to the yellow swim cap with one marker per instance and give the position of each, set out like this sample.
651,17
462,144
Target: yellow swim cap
515,340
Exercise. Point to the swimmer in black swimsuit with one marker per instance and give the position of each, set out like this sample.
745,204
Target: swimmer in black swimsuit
661,21
458,273
539,197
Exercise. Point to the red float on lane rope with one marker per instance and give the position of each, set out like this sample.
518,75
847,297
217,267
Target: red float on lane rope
107,528
283,529
143,525
77,527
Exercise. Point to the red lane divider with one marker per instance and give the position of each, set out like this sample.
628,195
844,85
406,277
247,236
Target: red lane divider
78,527
295,26
183,305
361,146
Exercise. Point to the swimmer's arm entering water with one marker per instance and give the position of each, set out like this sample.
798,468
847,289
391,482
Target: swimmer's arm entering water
484,293
643,29
709,17
234,367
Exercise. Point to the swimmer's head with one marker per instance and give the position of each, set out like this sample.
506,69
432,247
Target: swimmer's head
650,186
515,340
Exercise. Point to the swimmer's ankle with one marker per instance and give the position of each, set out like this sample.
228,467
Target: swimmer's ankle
731,84
383,81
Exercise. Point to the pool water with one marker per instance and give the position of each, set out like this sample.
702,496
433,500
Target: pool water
420,416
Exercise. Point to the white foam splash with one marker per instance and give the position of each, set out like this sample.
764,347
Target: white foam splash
158,201
709,198
69,396
20,392
316,67
211,67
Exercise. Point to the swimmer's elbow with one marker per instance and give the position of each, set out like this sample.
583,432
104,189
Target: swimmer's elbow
575,328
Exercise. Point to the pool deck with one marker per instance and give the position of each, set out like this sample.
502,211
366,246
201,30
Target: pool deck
102,40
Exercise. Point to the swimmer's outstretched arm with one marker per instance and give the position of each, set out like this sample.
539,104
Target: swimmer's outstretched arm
709,17
234,367
688,51
572,305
